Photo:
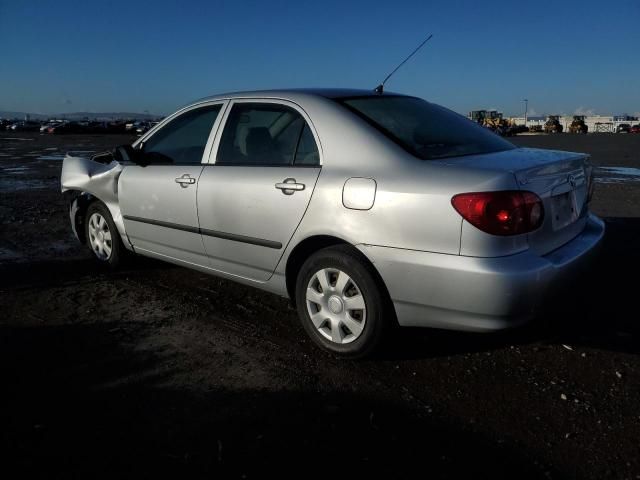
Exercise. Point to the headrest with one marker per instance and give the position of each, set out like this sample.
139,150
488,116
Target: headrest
259,140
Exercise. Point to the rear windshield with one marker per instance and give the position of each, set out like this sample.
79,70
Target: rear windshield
425,130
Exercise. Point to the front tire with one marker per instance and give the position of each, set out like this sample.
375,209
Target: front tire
102,235
341,303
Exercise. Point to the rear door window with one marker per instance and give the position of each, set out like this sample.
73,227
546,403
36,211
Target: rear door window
264,134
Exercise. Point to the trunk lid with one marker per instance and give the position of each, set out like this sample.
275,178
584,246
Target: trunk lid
561,179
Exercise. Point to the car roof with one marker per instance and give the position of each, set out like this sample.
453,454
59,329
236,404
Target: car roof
293,93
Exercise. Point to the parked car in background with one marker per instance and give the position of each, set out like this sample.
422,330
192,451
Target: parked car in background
367,210
635,129
116,126
25,126
143,127
96,127
623,128
65,128
44,128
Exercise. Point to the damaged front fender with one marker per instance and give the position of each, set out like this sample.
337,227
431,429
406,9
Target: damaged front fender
100,180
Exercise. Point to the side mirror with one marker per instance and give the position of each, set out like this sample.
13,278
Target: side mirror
128,154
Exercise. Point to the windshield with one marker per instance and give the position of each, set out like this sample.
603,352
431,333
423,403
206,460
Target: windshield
425,130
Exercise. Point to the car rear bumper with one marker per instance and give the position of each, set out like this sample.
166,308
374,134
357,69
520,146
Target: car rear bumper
479,294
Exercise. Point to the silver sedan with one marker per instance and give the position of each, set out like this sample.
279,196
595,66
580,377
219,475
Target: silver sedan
367,210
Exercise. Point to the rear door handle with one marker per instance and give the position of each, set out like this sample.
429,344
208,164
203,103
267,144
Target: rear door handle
185,180
289,186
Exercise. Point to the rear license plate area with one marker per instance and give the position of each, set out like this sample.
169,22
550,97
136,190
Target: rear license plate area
564,210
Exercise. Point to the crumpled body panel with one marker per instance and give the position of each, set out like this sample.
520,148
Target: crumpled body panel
98,179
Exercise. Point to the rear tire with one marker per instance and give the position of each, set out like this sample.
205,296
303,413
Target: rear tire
102,236
341,304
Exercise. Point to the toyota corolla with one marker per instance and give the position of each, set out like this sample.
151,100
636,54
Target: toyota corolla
368,210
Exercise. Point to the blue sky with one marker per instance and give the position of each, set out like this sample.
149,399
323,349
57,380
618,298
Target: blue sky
64,56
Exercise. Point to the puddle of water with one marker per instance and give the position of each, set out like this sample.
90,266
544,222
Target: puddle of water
4,154
620,170
19,139
14,185
81,153
15,169
617,174
51,149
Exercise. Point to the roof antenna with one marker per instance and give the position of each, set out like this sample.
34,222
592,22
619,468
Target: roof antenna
380,88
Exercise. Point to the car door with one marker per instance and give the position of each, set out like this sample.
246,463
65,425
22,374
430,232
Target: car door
252,198
158,196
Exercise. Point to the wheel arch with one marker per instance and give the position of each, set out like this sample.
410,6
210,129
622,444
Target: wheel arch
311,245
79,204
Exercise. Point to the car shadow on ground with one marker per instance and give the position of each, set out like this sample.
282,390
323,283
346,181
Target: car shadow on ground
600,312
61,271
78,402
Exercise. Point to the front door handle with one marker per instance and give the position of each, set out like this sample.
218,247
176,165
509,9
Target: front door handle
289,186
185,180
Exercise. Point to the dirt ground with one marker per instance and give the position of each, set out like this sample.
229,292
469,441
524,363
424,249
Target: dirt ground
155,370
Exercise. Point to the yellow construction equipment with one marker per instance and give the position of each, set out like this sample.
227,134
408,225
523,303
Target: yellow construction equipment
578,125
493,120
553,124
478,116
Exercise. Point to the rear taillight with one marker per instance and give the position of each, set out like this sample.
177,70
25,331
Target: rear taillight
511,212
